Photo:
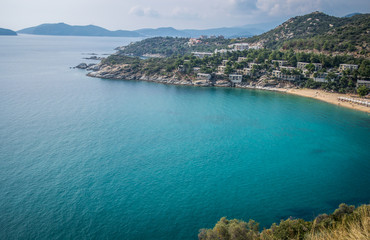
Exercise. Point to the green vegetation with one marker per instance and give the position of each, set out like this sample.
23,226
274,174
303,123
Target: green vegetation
312,38
363,91
346,222
184,65
320,32
169,46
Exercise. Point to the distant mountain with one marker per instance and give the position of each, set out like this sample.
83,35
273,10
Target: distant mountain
352,14
8,32
172,32
226,32
162,32
62,29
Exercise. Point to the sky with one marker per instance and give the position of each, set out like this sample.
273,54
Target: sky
181,14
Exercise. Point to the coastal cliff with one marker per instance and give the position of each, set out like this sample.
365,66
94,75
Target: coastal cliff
124,72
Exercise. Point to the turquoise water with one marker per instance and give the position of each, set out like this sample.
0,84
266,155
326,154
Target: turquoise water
102,159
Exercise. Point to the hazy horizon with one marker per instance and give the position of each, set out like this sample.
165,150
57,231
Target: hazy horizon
191,14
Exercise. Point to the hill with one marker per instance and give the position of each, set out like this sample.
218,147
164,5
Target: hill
320,32
7,32
62,29
169,46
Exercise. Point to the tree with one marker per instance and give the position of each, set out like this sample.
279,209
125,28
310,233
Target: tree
363,91
310,67
231,230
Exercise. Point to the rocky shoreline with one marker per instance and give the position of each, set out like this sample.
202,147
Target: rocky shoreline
123,72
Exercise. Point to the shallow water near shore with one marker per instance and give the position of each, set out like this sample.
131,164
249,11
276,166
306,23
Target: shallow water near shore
88,158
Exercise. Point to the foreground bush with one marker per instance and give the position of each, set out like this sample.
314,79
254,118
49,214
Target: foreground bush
346,222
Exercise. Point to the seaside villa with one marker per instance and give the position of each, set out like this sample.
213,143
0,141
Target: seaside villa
363,83
343,67
281,76
204,76
235,78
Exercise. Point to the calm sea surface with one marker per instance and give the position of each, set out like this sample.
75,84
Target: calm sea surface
85,158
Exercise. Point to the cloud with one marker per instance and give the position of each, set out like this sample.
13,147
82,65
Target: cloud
144,12
288,7
184,13
245,6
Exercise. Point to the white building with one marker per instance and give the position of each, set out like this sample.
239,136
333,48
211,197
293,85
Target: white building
280,62
202,54
223,51
204,76
240,59
196,69
363,83
235,78
287,68
239,46
281,76
320,77
247,71
343,67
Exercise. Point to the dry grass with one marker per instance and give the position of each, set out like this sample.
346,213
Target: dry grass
357,227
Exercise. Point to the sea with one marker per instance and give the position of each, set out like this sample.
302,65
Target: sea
89,158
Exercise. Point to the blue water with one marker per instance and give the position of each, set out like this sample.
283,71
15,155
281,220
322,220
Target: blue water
85,158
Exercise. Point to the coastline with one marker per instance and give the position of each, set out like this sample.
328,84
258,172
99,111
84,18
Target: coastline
328,97
332,98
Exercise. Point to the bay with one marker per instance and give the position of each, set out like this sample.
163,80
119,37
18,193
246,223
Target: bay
106,159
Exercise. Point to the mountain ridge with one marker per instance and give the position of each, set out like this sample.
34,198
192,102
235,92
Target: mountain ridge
63,29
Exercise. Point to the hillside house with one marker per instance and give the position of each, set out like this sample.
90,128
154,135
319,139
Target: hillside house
280,62
363,83
247,72
196,69
204,76
235,78
287,68
286,77
351,67
239,46
319,77
202,54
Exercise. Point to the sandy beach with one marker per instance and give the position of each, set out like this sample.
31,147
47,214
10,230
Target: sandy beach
328,97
